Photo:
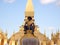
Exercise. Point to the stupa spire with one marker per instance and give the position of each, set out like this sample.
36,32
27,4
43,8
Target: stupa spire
29,9
29,6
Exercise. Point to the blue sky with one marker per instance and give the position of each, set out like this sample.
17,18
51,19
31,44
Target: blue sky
47,15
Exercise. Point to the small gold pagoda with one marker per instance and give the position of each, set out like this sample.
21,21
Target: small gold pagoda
3,38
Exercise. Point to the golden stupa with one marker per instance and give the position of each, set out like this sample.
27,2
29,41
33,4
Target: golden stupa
17,38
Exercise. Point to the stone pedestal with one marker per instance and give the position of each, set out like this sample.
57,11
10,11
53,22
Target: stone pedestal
29,39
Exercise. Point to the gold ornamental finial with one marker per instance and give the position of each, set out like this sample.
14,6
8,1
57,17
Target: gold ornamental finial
14,32
6,32
45,32
52,34
0,30
58,30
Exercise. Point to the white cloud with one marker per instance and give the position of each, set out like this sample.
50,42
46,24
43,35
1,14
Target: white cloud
9,1
47,1
51,28
58,2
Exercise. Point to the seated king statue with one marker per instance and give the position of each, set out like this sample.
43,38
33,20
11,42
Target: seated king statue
29,25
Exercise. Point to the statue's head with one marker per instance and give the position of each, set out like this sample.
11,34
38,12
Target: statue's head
29,18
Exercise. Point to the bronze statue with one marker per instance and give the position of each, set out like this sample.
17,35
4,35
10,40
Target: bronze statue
29,25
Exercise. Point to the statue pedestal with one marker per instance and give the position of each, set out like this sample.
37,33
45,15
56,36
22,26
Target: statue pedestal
29,39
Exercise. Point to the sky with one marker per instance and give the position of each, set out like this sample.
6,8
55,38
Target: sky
47,15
